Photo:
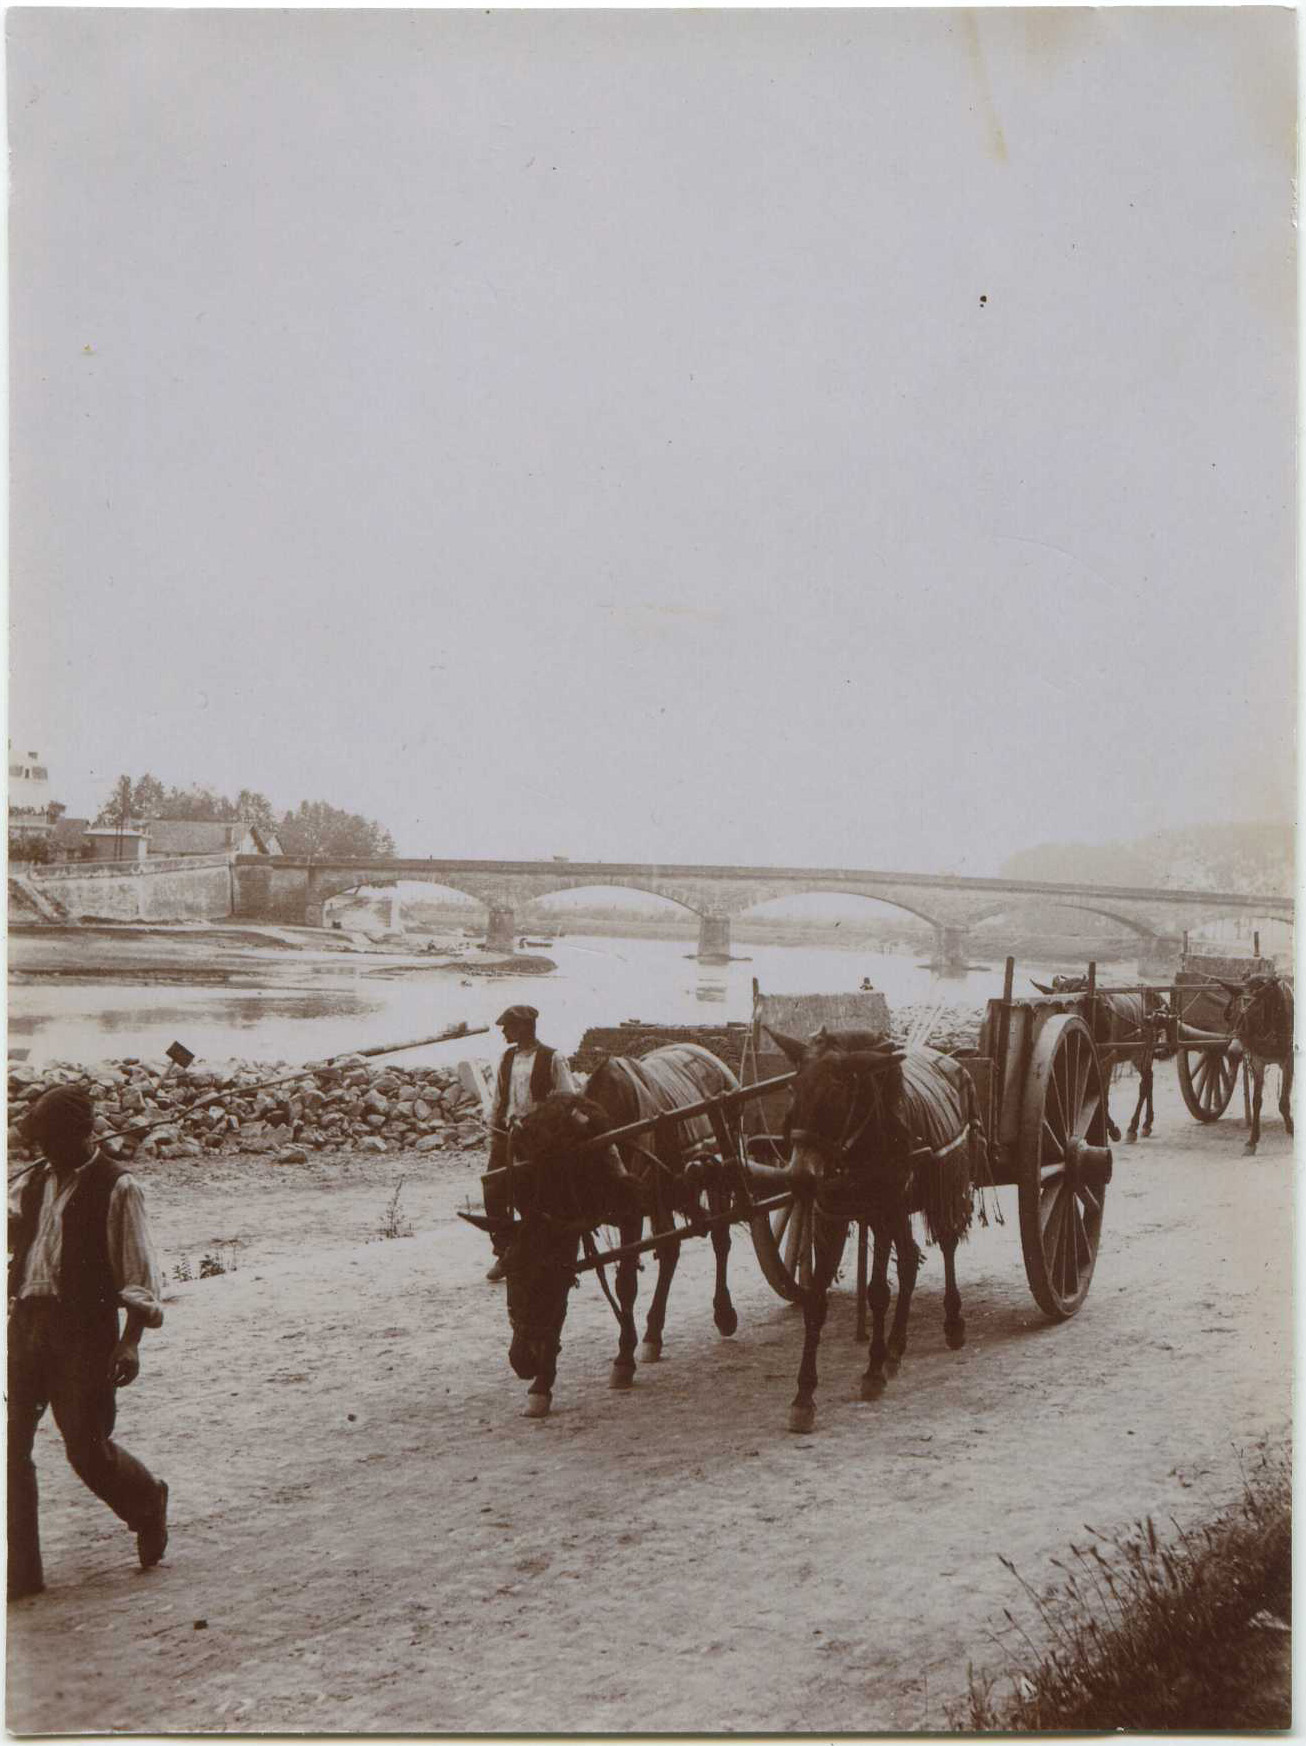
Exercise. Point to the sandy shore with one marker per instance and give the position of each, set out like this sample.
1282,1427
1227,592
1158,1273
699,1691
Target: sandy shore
218,953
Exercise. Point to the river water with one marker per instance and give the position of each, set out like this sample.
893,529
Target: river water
297,1009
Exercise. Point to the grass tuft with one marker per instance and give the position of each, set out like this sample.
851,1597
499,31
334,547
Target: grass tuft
1148,1633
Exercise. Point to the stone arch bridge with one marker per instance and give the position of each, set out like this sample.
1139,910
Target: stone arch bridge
279,888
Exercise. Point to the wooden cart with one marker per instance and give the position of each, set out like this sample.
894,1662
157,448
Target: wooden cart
1041,1089
1207,1076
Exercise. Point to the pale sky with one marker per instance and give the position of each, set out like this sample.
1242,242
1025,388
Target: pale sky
829,438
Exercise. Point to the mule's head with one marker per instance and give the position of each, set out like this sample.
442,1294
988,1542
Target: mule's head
538,1256
846,1108
1257,1012
1063,985
571,1174
562,1187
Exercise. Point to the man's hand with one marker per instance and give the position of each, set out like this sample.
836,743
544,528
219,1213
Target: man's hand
125,1365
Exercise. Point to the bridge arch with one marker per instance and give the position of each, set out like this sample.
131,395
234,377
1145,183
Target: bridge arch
872,897
1013,905
471,907
677,898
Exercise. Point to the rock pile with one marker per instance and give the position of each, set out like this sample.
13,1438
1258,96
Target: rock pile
353,1105
954,1031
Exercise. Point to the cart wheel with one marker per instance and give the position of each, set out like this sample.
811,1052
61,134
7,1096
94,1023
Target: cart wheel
1206,1079
798,1246
1065,1165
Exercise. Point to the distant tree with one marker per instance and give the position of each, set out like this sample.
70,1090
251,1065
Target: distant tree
148,797
199,804
30,848
320,831
255,809
117,809
313,828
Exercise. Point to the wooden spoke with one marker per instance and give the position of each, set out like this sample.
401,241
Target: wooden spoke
1060,1215
794,1240
798,1247
1207,1078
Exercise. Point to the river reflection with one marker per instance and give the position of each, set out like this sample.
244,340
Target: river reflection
599,981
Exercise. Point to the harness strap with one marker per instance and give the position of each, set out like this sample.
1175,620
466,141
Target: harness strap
591,1254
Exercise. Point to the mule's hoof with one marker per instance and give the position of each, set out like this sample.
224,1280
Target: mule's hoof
537,1406
802,1419
872,1387
727,1321
1249,1151
649,1352
621,1376
955,1335
1113,1132
1131,1138
891,1363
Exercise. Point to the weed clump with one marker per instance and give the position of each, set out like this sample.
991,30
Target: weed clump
394,1221
1150,1634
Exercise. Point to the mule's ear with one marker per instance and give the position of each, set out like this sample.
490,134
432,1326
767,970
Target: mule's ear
790,1047
1042,987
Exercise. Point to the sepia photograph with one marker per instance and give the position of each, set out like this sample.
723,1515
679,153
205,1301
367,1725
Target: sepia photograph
652,800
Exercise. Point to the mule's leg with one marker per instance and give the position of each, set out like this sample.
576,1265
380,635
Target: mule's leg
668,1255
1111,1128
954,1328
1258,1088
1285,1093
1131,1132
909,1261
723,1310
802,1414
540,1395
1148,1086
627,1288
877,1295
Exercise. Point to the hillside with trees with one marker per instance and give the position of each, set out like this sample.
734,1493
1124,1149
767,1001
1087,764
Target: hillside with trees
1250,858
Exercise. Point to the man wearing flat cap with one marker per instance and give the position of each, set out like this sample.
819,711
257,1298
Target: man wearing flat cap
79,1252
528,1073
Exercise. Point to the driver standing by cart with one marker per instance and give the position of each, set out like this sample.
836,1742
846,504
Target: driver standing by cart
528,1073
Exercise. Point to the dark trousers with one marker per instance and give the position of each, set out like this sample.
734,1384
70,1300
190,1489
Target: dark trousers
56,1360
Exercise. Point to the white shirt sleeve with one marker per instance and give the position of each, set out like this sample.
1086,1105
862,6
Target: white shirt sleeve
131,1254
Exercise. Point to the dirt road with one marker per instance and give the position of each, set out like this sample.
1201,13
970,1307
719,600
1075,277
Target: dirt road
368,1536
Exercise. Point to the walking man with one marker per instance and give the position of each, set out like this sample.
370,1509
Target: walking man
79,1249
528,1073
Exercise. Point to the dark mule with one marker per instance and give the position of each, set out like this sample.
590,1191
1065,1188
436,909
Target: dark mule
1260,1015
1121,1023
566,1193
879,1133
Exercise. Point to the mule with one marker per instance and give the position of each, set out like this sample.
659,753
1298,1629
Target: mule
572,1186
878,1133
1121,1022
1259,1012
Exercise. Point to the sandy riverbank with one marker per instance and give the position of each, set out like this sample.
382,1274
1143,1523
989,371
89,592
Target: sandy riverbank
233,953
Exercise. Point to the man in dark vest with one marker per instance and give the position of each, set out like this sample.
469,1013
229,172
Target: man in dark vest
79,1250
529,1071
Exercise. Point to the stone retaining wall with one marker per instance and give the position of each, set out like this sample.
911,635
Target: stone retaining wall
171,888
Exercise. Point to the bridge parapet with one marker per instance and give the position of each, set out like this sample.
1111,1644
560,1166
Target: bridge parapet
284,889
